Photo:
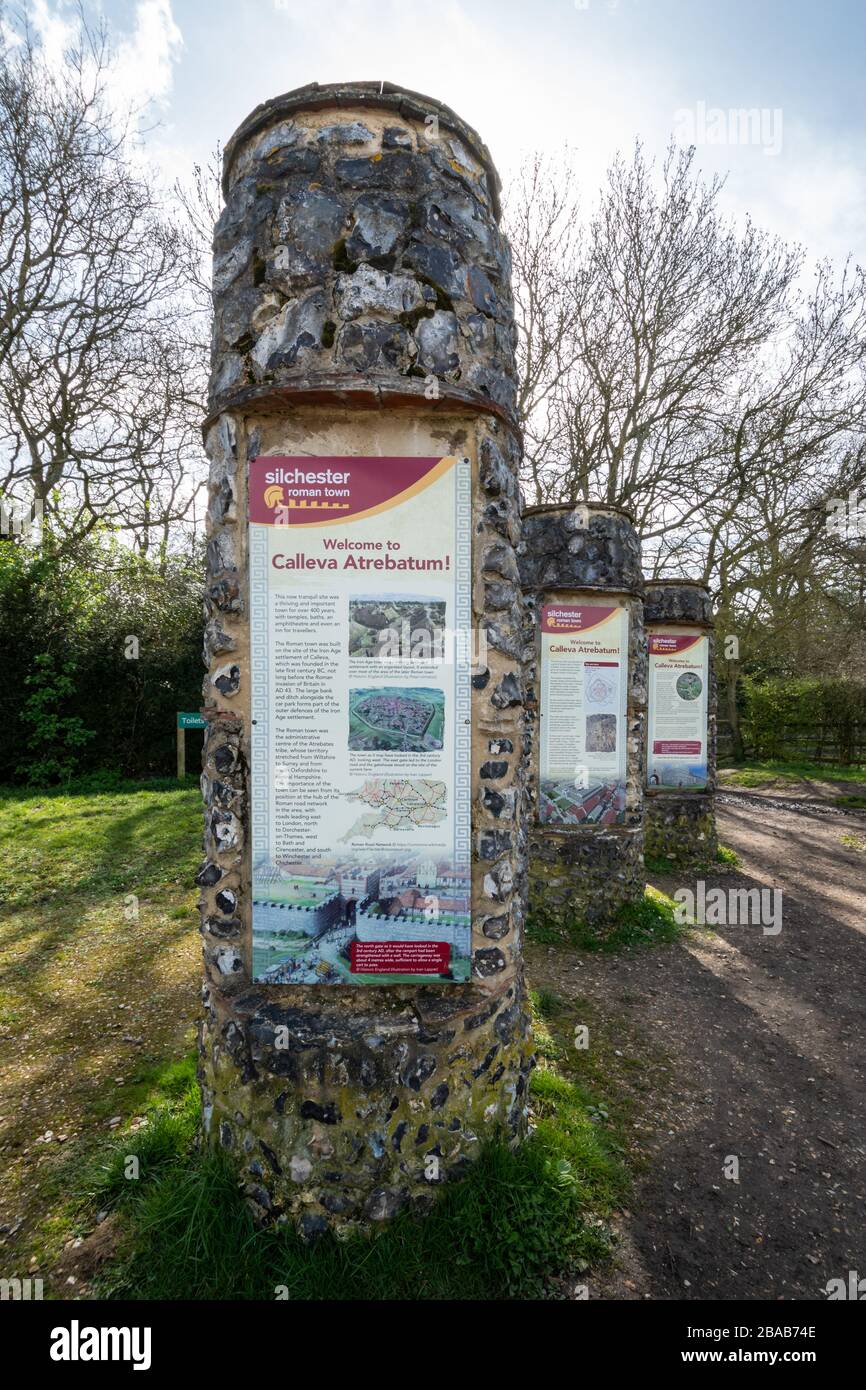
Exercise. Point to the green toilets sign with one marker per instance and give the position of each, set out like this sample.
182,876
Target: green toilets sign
186,719
190,720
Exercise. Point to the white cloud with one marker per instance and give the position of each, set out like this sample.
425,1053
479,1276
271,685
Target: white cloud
144,68
144,59
817,195
53,29
540,76
813,192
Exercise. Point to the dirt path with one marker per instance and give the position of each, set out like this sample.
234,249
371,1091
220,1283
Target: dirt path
766,1036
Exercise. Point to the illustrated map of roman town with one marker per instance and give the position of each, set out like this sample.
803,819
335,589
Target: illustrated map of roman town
397,804
389,718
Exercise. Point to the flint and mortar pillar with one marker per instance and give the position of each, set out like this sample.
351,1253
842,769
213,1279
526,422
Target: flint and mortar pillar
680,819
363,308
581,573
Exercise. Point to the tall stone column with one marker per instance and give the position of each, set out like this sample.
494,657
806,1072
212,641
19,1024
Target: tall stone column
362,308
680,824
585,836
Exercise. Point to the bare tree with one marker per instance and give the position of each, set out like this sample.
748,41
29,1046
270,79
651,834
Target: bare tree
200,203
543,218
684,368
94,362
659,305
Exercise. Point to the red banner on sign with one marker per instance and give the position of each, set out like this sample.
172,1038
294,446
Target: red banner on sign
400,957
676,745
666,643
557,617
293,490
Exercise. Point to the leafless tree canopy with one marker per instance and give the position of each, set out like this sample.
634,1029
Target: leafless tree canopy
696,372
99,352
700,375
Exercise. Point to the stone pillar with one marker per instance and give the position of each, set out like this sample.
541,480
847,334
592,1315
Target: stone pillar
680,825
587,553
362,307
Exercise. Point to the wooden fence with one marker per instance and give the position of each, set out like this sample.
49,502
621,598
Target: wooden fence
797,743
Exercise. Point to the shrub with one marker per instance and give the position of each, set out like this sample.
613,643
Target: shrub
72,699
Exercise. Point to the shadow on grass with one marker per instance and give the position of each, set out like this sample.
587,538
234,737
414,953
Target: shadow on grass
93,997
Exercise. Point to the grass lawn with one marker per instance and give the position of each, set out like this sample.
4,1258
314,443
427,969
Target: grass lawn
522,1224
725,860
99,963
647,923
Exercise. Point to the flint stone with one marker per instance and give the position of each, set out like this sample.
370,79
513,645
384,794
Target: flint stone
349,133
373,291
488,961
311,1225
363,345
295,333
454,216
311,223
507,693
215,926
379,223
437,339
396,137
221,552
325,1114
285,162
493,383
208,874
394,170
225,595
227,679
419,1072
228,266
274,140
221,506
225,757
492,843
481,292
494,770
227,961
225,828
228,369
382,1205
236,312
440,265
495,476
216,641
500,560
495,927
226,900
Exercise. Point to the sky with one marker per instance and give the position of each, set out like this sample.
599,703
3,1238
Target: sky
589,75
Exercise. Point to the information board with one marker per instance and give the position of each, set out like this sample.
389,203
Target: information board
360,612
678,680
584,698
190,719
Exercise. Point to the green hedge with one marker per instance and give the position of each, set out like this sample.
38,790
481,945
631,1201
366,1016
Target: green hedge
781,715
72,700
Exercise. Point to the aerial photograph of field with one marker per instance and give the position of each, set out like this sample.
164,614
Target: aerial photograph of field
395,625
601,733
403,719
